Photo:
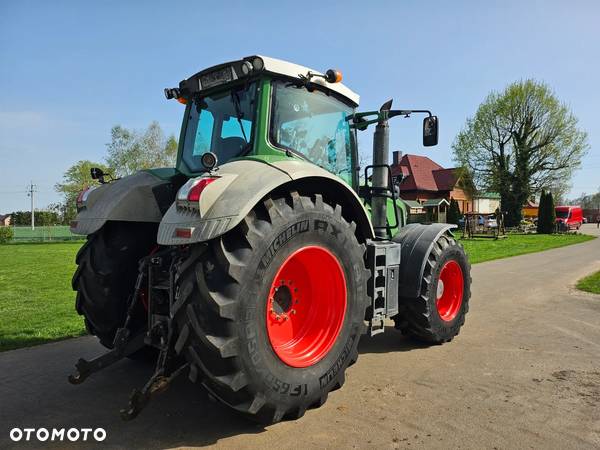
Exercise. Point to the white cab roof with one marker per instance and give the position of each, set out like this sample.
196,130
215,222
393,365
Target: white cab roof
294,70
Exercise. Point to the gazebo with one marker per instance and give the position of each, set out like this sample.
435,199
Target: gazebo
436,209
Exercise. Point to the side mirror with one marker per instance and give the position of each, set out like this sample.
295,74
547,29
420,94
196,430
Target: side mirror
430,131
97,174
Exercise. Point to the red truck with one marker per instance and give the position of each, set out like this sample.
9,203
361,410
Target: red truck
569,217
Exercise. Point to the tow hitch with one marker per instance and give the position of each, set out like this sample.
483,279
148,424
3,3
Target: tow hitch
126,347
158,266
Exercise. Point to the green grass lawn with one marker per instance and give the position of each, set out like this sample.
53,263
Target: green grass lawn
591,283
37,303
36,300
480,250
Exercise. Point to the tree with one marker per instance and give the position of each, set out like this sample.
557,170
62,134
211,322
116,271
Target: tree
546,214
550,214
21,218
520,141
454,214
559,193
130,150
62,210
46,218
588,201
541,212
42,218
76,179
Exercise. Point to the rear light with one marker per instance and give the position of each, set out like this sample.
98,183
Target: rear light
190,192
80,197
184,233
83,196
197,188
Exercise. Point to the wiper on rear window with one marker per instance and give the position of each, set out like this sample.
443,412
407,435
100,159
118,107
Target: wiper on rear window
235,98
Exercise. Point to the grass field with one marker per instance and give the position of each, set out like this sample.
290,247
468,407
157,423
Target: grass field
480,250
590,283
36,300
37,303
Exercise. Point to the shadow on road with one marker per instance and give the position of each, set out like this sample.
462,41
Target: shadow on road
391,341
34,393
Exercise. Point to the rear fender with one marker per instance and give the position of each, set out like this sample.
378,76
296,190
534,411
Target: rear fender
141,197
240,186
416,242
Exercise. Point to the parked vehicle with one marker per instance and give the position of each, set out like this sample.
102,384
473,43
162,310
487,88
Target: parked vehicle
569,217
253,266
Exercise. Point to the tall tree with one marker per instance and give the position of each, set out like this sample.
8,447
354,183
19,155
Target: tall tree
550,225
76,179
546,214
541,219
133,150
454,214
587,201
520,141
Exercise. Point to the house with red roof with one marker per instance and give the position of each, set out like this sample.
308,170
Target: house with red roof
428,183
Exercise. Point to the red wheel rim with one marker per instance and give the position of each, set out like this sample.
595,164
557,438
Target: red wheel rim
306,306
450,291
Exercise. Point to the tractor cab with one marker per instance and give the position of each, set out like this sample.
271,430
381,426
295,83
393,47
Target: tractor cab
270,109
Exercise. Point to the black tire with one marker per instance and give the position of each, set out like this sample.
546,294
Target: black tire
220,310
107,267
419,317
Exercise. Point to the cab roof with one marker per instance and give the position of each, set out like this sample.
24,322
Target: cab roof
292,70
233,70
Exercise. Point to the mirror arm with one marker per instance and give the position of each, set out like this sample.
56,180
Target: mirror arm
407,112
359,123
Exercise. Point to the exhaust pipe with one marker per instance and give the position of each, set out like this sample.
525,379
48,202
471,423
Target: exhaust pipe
379,183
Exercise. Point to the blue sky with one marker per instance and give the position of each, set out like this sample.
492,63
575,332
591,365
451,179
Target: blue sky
69,71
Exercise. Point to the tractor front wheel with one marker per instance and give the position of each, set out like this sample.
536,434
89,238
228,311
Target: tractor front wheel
270,314
437,315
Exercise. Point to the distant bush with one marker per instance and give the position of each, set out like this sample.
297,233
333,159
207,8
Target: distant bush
6,235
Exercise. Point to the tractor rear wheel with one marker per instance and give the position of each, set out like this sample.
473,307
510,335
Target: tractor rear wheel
107,267
270,314
437,315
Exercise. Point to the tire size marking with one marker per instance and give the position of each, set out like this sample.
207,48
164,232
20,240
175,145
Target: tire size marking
328,376
284,388
279,386
285,236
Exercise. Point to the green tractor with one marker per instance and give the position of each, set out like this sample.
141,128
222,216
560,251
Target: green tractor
258,262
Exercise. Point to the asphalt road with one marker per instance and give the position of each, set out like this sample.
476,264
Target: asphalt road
524,373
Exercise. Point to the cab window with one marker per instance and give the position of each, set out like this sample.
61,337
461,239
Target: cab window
314,125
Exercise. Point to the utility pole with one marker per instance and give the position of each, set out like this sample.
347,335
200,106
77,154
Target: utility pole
31,190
